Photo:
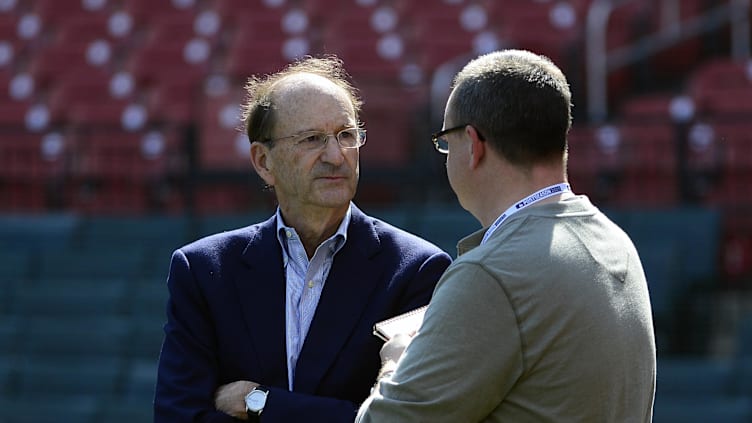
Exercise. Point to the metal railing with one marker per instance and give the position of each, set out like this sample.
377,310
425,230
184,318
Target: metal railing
600,61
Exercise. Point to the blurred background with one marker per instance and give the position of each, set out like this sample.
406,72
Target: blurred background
119,143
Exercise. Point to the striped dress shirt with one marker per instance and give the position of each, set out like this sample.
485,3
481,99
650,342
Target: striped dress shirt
305,280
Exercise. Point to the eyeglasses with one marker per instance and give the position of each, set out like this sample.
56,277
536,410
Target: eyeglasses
440,142
315,140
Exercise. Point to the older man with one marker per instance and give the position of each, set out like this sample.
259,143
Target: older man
545,315
273,322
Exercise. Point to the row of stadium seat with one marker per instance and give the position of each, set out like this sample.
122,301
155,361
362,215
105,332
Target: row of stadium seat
163,80
620,164
195,38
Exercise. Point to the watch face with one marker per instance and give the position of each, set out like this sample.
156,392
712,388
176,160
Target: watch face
255,401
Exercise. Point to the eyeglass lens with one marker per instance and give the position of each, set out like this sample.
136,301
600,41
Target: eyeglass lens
347,138
441,144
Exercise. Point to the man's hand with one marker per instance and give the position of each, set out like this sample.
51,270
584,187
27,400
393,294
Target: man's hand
230,398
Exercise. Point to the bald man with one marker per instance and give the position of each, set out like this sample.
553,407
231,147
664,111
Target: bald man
273,322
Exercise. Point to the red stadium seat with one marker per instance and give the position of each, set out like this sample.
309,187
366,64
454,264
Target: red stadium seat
594,163
580,140
174,102
415,8
32,170
222,197
25,31
323,6
438,36
16,87
14,112
356,25
649,189
628,164
389,138
246,58
120,172
23,196
607,152
649,153
432,54
5,80
61,59
86,99
732,190
222,147
156,63
726,102
112,114
651,107
717,74
145,11
57,11
171,28
705,152
34,157
232,9
679,57
544,33
114,29
255,29
444,26
649,146
264,43
625,23
722,152
389,116
114,197
83,29
15,100
722,88
9,35
369,61
735,139
143,155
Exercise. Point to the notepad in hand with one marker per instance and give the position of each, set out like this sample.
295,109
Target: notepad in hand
404,323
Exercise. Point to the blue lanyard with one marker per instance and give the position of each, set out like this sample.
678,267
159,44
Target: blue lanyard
532,199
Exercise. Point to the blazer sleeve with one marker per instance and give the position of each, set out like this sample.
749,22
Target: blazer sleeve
187,373
287,406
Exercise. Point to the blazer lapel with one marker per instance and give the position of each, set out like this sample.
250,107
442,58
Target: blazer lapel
348,288
261,293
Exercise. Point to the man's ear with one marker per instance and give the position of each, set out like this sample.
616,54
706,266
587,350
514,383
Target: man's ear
261,160
477,146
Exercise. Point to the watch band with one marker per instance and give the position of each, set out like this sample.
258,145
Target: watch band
254,417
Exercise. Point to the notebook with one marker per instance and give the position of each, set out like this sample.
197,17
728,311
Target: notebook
404,323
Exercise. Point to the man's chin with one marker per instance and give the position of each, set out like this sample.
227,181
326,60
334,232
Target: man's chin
335,199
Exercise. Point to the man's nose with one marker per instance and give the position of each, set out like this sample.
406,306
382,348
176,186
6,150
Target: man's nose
332,151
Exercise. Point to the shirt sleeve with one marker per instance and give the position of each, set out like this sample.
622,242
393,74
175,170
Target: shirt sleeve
464,360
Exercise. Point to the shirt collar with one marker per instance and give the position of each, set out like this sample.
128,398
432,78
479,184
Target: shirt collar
340,236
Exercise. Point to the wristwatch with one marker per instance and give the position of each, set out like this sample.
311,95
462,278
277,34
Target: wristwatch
255,402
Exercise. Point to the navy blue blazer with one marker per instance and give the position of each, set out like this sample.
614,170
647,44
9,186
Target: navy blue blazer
226,321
